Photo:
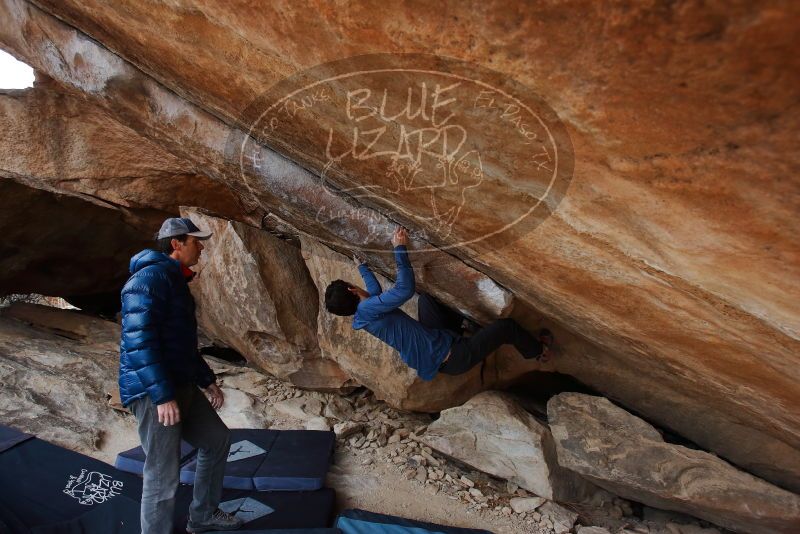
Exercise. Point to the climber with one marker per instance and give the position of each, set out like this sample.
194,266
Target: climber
433,344
159,375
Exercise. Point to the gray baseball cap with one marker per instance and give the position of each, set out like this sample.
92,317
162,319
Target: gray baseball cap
179,226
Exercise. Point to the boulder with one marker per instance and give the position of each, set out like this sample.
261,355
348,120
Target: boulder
318,423
563,519
57,368
522,505
301,408
347,428
245,395
494,434
242,410
254,293
627,456
339,409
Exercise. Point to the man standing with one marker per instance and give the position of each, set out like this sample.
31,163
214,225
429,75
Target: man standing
159,374
433,344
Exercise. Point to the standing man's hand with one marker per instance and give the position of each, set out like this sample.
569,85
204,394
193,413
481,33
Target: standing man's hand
400,237
357,260
168,413
215,396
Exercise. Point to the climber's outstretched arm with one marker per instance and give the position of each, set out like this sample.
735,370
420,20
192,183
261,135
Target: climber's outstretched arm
373,286
403,288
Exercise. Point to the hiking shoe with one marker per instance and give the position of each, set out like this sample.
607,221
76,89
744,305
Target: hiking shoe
220,520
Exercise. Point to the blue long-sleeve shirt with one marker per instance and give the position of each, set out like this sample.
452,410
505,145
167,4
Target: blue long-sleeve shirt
420,347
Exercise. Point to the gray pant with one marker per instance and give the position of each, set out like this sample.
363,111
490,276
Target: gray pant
202,428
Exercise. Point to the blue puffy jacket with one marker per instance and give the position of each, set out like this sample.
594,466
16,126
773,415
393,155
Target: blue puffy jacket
158,348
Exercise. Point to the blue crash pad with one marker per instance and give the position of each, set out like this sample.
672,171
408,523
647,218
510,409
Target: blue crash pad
132,460
262,460
46,489
363,522
269,510
11,436
282,531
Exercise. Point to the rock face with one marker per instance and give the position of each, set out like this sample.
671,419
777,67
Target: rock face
253,293
56,367
88,191
627,456
522,505
245,396
562,518
494,434
671,261
62,143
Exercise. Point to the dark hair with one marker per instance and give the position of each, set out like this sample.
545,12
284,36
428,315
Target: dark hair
165,243
339,300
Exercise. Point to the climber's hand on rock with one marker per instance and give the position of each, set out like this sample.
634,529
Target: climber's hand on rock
400,237
168,413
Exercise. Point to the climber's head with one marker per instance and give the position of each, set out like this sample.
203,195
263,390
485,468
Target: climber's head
342,298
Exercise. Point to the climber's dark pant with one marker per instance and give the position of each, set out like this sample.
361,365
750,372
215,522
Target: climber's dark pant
467,352
434,314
